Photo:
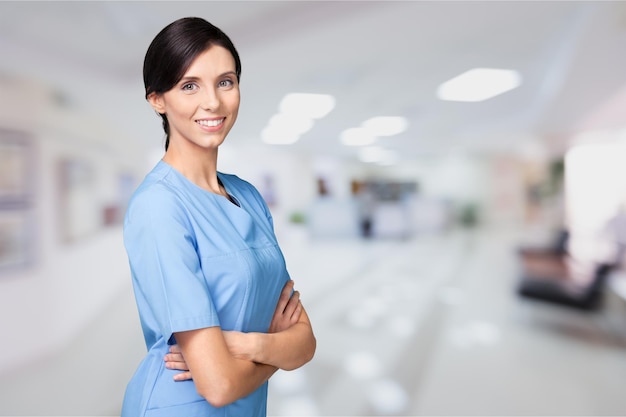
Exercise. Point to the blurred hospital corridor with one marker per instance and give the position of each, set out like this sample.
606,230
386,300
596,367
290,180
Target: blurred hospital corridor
424,326
447,182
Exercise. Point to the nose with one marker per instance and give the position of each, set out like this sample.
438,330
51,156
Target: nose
210,99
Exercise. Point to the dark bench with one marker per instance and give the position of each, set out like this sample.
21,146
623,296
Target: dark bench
556,281
552,275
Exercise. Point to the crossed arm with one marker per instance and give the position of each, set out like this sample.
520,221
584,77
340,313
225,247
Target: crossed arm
228,365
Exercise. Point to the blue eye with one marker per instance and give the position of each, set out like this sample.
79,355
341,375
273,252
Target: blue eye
225,83
188,87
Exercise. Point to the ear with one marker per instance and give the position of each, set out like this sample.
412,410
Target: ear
156,101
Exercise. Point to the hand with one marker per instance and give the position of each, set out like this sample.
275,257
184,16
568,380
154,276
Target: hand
247,346
288,309
175,360
287,313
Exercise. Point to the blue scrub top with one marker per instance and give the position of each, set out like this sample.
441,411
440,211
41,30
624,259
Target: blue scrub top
197,260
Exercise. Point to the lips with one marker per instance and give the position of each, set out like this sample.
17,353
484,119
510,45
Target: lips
210,123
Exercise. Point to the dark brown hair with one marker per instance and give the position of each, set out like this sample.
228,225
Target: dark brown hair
174,49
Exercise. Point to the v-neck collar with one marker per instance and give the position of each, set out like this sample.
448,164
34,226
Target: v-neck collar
230,197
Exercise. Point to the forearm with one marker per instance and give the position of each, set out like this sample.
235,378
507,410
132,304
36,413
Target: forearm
219,377
289,349
243,378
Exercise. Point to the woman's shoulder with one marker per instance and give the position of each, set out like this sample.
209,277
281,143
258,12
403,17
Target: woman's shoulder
238,183
234,179
154,188
155,193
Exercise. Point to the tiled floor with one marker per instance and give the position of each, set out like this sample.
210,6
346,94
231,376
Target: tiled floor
427,326
432,326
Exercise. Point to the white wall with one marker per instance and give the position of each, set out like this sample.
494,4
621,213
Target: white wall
45,304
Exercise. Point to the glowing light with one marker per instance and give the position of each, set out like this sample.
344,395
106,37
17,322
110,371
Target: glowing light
277,136
386,125
357,136
479,84
314,106
296,115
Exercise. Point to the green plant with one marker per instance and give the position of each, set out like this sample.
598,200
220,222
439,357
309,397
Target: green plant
297,218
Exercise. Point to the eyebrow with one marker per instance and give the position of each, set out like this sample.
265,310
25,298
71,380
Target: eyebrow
195,78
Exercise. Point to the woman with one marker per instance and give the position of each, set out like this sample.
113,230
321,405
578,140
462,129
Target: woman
207,269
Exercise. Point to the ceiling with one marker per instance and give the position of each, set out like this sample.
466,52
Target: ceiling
377,58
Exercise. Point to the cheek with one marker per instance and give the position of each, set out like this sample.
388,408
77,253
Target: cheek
234,105
235,99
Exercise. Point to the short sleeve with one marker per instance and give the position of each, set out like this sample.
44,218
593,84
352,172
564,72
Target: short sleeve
169,284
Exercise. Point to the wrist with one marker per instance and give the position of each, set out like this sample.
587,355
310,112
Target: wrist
260,347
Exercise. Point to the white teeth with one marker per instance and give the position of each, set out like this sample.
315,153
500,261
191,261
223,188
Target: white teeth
210,123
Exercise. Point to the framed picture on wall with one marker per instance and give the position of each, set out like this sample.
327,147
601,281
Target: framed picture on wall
15,228
79,212
16,200
15,169
114,212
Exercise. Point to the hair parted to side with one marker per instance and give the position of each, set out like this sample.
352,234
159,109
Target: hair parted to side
174,49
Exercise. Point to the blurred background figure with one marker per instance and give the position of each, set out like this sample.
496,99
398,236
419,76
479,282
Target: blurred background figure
480,141
365,205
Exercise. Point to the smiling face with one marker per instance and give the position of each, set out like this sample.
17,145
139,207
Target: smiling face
202,107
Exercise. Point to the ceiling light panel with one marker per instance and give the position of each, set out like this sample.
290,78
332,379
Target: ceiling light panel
357,136
291,123
274,136
314,106
386,125
295,117
479,84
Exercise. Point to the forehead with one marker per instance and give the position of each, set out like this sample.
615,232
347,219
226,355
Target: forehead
215,60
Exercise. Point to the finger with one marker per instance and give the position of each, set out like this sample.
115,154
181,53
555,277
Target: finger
292,304
285,296
296,313
183,376
180,366
174,357
175,349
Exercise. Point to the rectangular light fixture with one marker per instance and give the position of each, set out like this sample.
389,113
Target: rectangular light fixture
479,84
386,125
296,116
313,106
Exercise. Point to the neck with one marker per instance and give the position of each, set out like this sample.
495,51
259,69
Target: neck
198,167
